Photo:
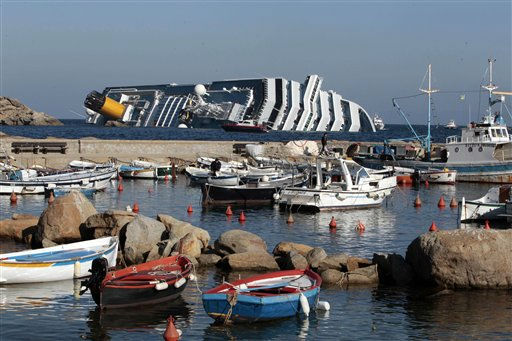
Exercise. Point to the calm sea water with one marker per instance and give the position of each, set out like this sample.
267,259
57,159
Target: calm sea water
51,311
78,129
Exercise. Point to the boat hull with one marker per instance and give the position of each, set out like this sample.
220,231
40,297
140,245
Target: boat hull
224,195
478,211
12,272
112,298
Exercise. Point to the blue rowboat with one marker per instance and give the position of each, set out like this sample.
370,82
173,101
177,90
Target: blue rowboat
56,263
264,297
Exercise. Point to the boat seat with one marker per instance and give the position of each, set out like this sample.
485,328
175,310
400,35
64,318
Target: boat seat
55,256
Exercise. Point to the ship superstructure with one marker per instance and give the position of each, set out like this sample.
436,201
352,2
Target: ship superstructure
277,103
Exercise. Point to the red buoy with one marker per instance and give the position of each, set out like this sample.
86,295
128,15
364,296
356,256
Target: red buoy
441,203
190,209
51,199
360,226
171,333
426,183
290,219
417,201
228,211
14,198
120,187
135,208
487,226
242,217
453,203
150,190
332,223
433,227
166,177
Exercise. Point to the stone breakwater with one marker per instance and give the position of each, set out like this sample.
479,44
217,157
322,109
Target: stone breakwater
15,113
445,259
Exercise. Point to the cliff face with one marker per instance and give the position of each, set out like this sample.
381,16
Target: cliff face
13,112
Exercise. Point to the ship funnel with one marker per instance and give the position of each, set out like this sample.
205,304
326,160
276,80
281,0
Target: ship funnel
104,105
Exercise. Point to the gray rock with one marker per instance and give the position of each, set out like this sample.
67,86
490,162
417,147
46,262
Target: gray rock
178,229
13,112
249,261
17,227
161,250
337,261
286,247
331,277
292,260
209,259
357,262
366,275
239,241
463,258
108,223
315,256
142,234
62,220
48,243
189,245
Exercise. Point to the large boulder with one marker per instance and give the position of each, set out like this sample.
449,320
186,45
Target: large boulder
141,235
209,259
315,256
393,269
161,249
239,241
367,275
19,228
13,112
292,260
286,247
249,261
61,222
463,258
337,261
331,277
357,262
108,223
178,229
189,245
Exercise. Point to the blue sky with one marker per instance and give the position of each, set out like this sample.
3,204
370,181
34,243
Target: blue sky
55,52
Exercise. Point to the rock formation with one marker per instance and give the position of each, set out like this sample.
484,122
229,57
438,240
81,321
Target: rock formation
15,113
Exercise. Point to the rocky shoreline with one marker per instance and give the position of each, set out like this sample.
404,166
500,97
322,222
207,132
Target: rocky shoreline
13,112
455,259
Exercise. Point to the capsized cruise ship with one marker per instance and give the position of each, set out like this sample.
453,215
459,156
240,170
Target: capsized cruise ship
277,103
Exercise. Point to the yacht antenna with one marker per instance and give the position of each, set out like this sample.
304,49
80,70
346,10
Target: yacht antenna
429,91
490,87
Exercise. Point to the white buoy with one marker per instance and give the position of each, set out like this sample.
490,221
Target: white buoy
128,208
304,304
76,270
161,286
180,282
323,305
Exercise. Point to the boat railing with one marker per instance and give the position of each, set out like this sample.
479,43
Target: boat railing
459,139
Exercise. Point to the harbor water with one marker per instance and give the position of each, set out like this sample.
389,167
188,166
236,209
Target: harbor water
53,311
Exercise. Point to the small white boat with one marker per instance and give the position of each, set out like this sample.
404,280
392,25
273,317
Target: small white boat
56,263
438,176
145,170
492,206
451,125
223,180
361,191
28,181
79,164
378,123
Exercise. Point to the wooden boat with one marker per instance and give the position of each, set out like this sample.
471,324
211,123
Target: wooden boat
148,283
28,182
223,180
438,176
56,263
145,170
264,297
492,206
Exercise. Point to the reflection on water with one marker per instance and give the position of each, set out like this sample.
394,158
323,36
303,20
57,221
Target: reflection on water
359,312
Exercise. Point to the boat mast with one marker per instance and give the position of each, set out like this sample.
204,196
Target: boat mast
490,87
429,91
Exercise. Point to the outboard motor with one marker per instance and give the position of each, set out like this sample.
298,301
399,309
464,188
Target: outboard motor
98,272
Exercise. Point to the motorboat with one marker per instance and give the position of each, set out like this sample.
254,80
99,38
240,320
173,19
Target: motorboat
264,297
80,164
28,181
56,263
153,282
337,188
378,122
492,206
451,125
145,170
436,176
245,127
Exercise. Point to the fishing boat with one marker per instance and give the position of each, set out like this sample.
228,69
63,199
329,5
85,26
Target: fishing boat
435,176
265,297
339,192
451,125
378,122
245,127
223,180
262,192
56,263
148,283
80,164
492,206
145,170
28,181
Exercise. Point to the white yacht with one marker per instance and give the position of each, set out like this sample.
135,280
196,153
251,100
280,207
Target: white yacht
378,122
451,125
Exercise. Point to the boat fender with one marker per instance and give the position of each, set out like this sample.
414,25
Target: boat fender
180,282
161,286
304,304
323,305
76,269
192,277
276,196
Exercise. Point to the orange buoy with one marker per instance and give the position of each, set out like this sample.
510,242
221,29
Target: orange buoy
417,201
487,226
453,203
171,333
14,198
360,226
433,227
190,209
135,208
120,187
166,177
332,223
242,217
290,219
426,183
51,199
228,211
441,203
